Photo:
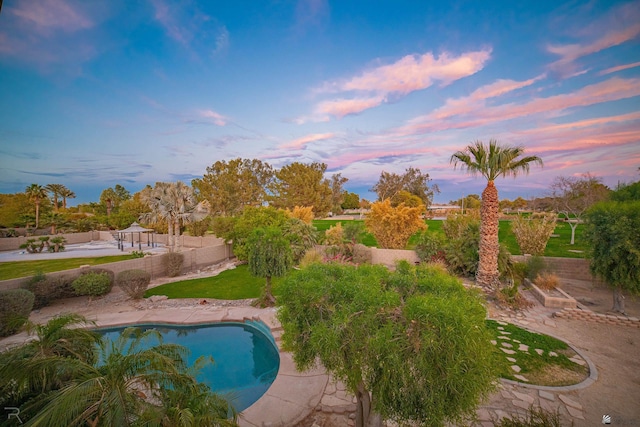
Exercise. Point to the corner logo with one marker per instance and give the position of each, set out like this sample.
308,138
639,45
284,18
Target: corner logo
606,419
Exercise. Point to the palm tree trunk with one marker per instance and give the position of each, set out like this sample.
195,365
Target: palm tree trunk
487,275
170,240
176,234
37,215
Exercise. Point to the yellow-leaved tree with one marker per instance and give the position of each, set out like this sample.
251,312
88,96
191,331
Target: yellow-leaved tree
304,213
392,226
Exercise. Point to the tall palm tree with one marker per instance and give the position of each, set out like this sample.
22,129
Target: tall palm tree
36,193
65,193
56,191
491,161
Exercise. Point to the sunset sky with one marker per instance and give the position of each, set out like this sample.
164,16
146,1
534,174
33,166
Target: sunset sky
99,93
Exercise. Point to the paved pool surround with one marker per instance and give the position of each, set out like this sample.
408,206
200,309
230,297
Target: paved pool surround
292,396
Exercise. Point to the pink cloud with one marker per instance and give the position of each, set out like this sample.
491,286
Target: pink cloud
569,53
301,142
619,68
413,72
47,15
344,107
460,116
408,74
348,158
216,118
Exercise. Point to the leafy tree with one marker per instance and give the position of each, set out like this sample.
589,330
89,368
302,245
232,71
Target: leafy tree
491,161
337,192
13,207
230,186
412,181
406,198
472,201
301,184
572,197
612,232
238,229
111,198
36,193
351,201
626,192
269,254
391,226
411,345
533,233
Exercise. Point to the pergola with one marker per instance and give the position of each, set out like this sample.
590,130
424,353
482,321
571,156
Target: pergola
135,228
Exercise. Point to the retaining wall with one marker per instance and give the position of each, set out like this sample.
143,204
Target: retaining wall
590,316
568,268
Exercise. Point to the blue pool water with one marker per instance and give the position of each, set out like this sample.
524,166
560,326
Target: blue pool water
246,360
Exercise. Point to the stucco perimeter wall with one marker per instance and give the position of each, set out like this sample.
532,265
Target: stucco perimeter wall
194,259
389,257
568,268
13,243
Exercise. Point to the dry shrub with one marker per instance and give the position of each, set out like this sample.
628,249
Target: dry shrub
334,236
533,234
174,262
362,254
304,213
312,256
133,282
547,281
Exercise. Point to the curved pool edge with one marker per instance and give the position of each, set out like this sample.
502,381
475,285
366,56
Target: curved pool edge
291,397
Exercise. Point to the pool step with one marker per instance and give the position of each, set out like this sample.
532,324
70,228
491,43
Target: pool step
277,334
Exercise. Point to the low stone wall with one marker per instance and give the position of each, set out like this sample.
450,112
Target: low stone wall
389,257
588,315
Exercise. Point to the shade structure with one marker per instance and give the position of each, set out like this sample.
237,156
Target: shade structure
135,228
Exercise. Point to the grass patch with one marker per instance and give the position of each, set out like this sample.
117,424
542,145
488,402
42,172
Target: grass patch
540,369
236,283
16,269
558,245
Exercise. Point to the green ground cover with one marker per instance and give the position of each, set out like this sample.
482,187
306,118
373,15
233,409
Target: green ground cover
552,367
16,269
237,283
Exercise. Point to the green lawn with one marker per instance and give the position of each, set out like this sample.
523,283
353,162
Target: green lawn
558,245
237,283
16,269
534,366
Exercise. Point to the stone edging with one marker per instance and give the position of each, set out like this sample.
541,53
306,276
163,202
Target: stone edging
593,371
588,315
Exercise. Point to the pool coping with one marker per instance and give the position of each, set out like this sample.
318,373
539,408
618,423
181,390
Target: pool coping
291,397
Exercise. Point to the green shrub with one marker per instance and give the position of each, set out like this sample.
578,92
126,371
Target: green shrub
15,306
536,417
429,246
47,288
133,282
174,262
93,284
537,265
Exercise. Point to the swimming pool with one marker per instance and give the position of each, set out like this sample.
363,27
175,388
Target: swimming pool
246,359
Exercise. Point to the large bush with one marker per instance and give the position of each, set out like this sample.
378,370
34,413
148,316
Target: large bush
532,234
429,246
15,306
174,262
133,282
93,284
49,288
393,226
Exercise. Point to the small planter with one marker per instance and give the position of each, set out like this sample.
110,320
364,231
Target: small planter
556,298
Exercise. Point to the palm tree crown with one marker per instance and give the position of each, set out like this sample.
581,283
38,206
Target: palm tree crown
494,160
36,193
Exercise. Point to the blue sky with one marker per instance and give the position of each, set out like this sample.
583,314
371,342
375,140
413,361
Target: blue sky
97,93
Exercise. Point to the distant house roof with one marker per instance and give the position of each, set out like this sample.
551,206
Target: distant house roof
136,228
